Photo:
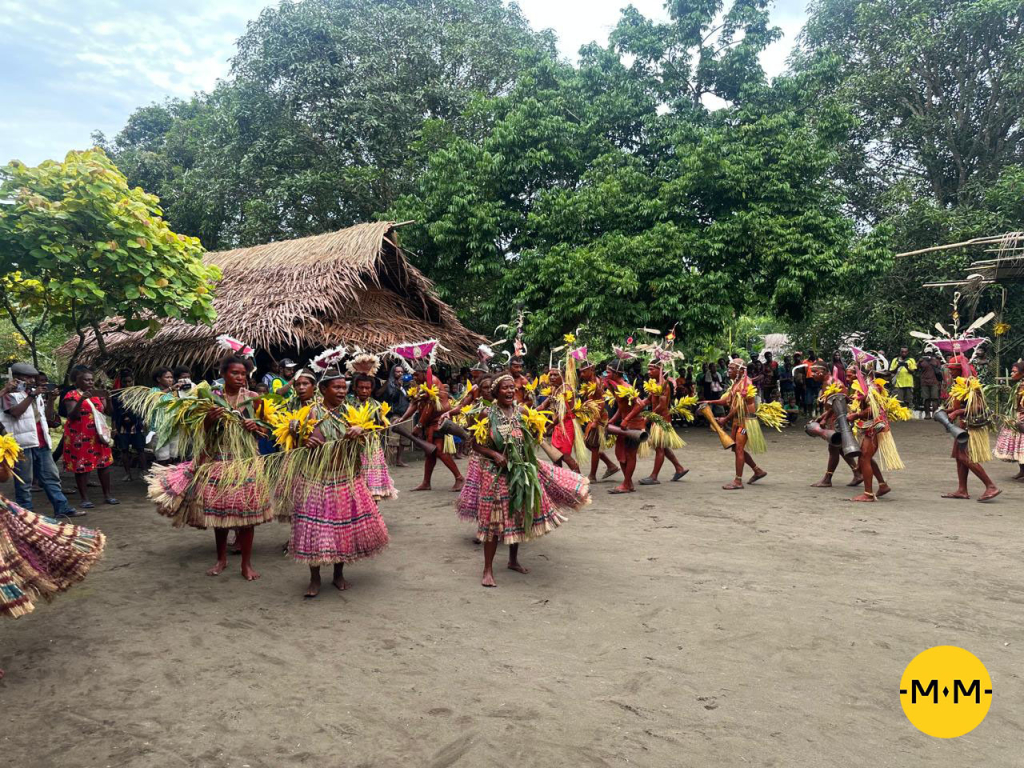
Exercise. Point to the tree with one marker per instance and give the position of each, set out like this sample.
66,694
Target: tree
316,128
81,246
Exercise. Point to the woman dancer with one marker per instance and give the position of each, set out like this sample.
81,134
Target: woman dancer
1010,443
375,463
514,497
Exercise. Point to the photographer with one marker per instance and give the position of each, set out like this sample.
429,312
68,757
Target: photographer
23,412
902,370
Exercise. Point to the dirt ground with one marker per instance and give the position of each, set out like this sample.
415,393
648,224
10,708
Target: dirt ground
678,626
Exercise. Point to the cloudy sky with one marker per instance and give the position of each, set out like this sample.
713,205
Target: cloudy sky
69,67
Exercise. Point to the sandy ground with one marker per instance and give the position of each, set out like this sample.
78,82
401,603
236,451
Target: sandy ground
679,626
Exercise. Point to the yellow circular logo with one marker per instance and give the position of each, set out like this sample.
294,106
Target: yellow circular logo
945,692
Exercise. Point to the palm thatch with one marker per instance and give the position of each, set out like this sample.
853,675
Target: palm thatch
352,287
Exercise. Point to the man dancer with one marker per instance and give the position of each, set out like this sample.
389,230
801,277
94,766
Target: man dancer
742,408
957,410
627,416
592,393
660,404
429,411
819,371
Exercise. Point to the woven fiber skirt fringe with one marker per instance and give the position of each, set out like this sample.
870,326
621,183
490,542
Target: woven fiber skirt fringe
1010,445
336,521
660,437
487,497
40,557
376,474
188,500
467,513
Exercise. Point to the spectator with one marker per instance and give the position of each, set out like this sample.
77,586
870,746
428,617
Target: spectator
282,382
931,375
838,368
25,411
800,380
713,381
182,380
130,431
163,452
84,448
811,387
786,378
769,379
269,376
394,394
902,370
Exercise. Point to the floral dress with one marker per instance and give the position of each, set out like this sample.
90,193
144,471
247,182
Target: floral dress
83,449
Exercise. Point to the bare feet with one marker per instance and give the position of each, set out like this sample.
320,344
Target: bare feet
459,482
621,489
863,497
990,493
518,568
823,483
249,573
883,488
758,474
314,588
422,487
339,583
735,485
592,479
218,568
401,464
956,495
488,579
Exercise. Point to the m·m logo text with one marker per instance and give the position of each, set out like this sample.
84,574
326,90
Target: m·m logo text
932,690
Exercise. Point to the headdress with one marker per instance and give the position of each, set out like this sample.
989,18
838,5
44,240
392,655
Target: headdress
308,373
420,356
330,358
363,362
484,355
331,373
236,346
957,344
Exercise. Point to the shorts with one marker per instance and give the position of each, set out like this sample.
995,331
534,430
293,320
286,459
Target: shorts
133,441
930,392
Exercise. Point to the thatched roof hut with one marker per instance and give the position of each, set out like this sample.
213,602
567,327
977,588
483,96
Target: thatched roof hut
296,297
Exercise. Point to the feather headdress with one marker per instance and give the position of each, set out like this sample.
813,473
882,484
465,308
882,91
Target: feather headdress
958,343
330,358
236,346
363,362
422,352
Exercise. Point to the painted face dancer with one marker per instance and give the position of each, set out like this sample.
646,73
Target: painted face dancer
214,490
39,557
628,409
830,387
335,519
871,410
513,496
1010,443
741,419
663,436
967,409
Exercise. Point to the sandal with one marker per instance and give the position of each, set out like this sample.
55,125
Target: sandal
112,501
86,505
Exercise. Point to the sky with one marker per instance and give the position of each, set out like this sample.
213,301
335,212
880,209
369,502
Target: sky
70,67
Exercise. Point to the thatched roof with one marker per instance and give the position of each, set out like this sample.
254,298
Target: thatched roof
351,287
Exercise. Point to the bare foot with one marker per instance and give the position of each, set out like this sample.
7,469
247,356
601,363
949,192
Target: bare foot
401,464
621,489
758,474
592,479
518,568
863,497
857,480
340,585
823,483
459,482
990,493
249,573
956,495
218,568
422,487
883,488
313,590
735,485
488,579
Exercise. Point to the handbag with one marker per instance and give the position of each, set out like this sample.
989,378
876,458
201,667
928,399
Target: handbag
102,426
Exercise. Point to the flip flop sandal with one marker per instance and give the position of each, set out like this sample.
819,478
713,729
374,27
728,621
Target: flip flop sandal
609,472
87,505
650,481
112,501
680,475
617,491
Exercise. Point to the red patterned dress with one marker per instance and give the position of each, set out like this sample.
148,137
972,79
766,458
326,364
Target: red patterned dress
83,449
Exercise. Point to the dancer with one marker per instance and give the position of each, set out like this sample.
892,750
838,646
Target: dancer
663,436
514,497
871,410
214,490
375,463
560,402
335,519
967,409
425,401
742,415
1010,443
830,387
39,557
594,417
627,416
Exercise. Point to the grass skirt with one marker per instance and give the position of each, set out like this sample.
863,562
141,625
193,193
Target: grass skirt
173,490
755,437
978,447
335,521
660,437
467,513
887,455
1010,445
484,498
376,474
40,557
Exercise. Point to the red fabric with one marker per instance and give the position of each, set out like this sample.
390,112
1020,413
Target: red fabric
83,450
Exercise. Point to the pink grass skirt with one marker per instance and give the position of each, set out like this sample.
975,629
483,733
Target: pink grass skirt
211,506
40,557
376,474
1010,445
484,497
336,521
